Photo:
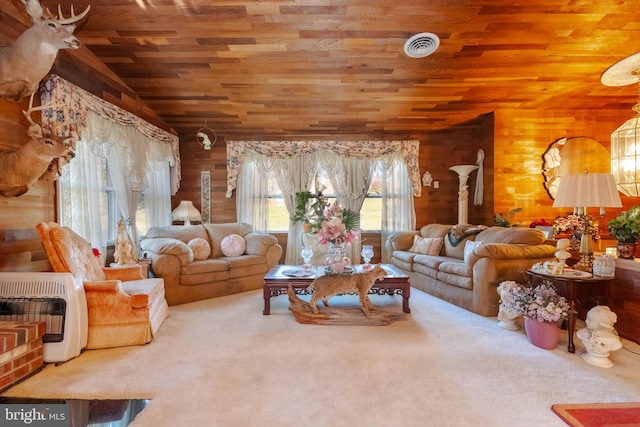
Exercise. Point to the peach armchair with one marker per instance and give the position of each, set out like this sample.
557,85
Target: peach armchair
124,308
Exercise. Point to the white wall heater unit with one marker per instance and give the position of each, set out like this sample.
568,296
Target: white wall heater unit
57,299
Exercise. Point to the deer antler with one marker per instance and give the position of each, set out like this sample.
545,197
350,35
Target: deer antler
34,9
73,18
31,109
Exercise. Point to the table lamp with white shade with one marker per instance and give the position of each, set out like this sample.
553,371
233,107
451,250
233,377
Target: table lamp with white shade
584,191
186,212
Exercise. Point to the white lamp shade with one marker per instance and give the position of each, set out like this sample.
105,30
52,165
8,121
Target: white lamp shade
587,190
186,212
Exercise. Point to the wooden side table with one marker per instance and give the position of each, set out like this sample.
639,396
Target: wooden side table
575,289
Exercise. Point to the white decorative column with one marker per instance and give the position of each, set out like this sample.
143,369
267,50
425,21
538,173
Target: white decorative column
463,172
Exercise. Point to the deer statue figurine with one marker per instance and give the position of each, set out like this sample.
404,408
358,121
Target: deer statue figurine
20,169
28,60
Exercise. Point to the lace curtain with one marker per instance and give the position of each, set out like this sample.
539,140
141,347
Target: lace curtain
236,150
135,150
350,178
398,212
350,166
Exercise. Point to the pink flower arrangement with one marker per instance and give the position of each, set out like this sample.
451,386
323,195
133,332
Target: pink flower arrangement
572,223
336,225
541,302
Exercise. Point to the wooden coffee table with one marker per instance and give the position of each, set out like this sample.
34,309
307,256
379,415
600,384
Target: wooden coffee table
277,281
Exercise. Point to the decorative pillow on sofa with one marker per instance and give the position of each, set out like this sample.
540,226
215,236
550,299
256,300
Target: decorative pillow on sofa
233,245
426,245
469,246
200,247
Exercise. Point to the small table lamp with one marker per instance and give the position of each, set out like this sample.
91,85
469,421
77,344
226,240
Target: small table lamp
584,191
186,212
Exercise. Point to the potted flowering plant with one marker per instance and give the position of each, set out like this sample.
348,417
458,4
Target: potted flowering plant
541,306
626,229
308,205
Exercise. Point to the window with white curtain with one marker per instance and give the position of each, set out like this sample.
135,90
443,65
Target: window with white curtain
259,172
278,220
124,167
87,201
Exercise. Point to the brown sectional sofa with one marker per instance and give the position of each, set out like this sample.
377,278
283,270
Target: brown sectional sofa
187,279
469,280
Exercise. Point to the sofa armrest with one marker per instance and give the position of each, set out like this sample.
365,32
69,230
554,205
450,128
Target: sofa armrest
259,244
514,251
124,273
110,295
167,246
400,240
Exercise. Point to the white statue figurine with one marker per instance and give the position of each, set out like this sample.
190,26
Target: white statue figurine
599,337
507,316
562,254
125,252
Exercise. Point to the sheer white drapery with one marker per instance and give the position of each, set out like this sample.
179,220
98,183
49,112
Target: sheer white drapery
135,150
157,200
398,212
350,178
252,206
294,175
236,151
350,164
84,209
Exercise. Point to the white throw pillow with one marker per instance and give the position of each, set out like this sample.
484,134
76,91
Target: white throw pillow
469,246
200,247
233,245
427,245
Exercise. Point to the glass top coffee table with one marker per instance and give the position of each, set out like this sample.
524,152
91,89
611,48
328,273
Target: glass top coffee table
279,277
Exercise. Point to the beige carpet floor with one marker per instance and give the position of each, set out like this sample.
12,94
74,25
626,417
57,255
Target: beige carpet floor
220,362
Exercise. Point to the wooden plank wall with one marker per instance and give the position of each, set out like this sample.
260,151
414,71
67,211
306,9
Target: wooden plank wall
624,299
438,152
521,137
20,248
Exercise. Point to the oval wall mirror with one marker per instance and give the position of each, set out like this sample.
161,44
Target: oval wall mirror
572,156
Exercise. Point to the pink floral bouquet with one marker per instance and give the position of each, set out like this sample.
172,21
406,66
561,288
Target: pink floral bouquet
336,225
572,223
541,302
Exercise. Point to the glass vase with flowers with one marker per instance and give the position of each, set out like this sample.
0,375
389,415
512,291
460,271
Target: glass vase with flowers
336,226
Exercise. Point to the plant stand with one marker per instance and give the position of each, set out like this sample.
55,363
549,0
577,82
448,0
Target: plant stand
463,172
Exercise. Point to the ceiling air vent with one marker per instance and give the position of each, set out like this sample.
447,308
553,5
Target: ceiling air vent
421,45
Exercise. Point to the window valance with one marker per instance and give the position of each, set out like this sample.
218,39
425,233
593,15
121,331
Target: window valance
358,149
72,104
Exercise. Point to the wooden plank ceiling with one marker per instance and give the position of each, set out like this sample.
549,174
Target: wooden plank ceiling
319,67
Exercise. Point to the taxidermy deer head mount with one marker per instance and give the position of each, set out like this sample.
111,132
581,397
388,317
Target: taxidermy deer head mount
31,56
21,169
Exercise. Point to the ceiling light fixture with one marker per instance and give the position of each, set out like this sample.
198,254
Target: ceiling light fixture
421,45
625,141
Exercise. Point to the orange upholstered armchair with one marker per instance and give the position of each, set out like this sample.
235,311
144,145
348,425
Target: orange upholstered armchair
124,308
